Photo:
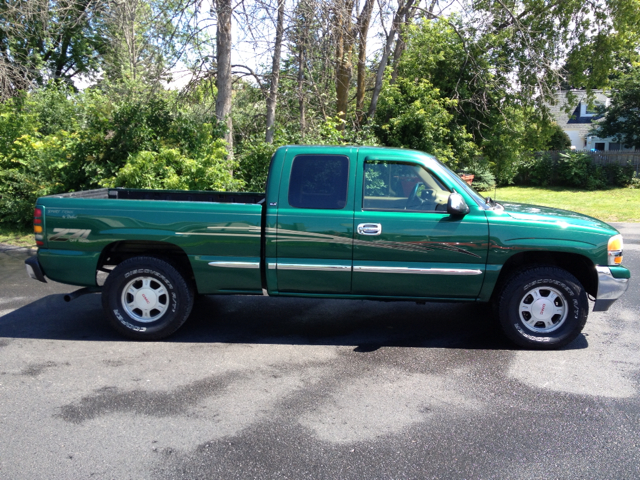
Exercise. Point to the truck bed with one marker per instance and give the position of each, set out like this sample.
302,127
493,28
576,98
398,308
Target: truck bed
166,195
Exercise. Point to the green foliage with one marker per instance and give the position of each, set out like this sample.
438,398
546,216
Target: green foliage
484,180
575,169
328,133
558,139
37,166
622,117
536,170
254,162
411,114
169,169
55,140
619,175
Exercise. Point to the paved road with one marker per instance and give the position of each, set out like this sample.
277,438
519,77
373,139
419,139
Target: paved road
290,388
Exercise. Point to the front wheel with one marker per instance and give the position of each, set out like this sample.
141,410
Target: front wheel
146,298
543,308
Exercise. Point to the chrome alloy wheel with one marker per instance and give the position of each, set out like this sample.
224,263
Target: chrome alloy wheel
145,299
543,309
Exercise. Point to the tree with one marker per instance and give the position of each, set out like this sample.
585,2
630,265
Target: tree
364,19
275,73
42,40
622,117
401,14
224,10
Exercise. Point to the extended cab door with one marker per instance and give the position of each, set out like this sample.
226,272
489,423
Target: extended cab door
405,242
314,232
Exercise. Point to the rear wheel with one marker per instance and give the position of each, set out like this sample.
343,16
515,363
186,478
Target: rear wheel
146,298
543,308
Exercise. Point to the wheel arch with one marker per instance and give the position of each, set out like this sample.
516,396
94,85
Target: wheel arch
578,265
117,252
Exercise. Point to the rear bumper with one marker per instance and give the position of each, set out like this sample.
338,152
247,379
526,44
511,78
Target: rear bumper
34,270
610,289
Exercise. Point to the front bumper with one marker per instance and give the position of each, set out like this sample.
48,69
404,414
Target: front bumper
610,289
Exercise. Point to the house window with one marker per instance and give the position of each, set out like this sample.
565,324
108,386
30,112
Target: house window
614,146
599,147
590,111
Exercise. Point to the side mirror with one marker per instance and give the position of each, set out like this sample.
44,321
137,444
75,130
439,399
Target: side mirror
456,204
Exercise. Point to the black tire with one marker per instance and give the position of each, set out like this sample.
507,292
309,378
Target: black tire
168,296
542,308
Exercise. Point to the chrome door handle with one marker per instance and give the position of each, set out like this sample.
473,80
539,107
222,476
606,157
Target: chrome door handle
370,229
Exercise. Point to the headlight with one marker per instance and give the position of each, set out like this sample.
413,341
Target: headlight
614,249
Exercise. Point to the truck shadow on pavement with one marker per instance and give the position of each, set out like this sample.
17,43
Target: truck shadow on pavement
365,325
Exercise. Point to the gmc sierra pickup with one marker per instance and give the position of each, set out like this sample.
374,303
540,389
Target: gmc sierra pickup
335,222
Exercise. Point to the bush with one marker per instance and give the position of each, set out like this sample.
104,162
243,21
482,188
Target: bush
36,167
54,140
619,175
575,169
484,180
536,170
558,139
169,169
254,162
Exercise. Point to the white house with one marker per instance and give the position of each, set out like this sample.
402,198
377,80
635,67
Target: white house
578,123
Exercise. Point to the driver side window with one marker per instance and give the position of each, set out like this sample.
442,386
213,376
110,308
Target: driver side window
402,186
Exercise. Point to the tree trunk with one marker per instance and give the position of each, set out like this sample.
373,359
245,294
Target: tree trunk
275,74
363,29
397,21
344,49
301,67
223,78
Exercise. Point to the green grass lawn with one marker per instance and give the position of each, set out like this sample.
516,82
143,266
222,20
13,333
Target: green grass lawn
614,205
17,237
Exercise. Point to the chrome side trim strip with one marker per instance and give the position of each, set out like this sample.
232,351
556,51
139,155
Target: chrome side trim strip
272,265
419,271
250,235
235,264
315,268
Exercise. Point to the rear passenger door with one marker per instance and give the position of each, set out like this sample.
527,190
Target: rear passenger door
314,233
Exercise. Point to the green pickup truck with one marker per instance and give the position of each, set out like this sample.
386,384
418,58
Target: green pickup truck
335,222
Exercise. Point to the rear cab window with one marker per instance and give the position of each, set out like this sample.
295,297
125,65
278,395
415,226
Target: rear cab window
319,181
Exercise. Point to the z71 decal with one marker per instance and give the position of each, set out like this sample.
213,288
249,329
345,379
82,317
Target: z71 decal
69,235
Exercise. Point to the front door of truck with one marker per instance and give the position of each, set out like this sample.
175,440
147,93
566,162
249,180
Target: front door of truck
405,242
314,232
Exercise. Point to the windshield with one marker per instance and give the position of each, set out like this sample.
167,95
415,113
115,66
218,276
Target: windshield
479,199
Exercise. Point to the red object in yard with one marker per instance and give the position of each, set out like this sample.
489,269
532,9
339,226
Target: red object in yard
467,177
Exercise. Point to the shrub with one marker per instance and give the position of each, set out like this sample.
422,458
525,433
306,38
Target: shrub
483,180
35,167
558,139
169,169
575,169
619,175
253,166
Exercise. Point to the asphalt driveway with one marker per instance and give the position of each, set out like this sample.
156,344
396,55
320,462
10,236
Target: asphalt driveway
256,387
